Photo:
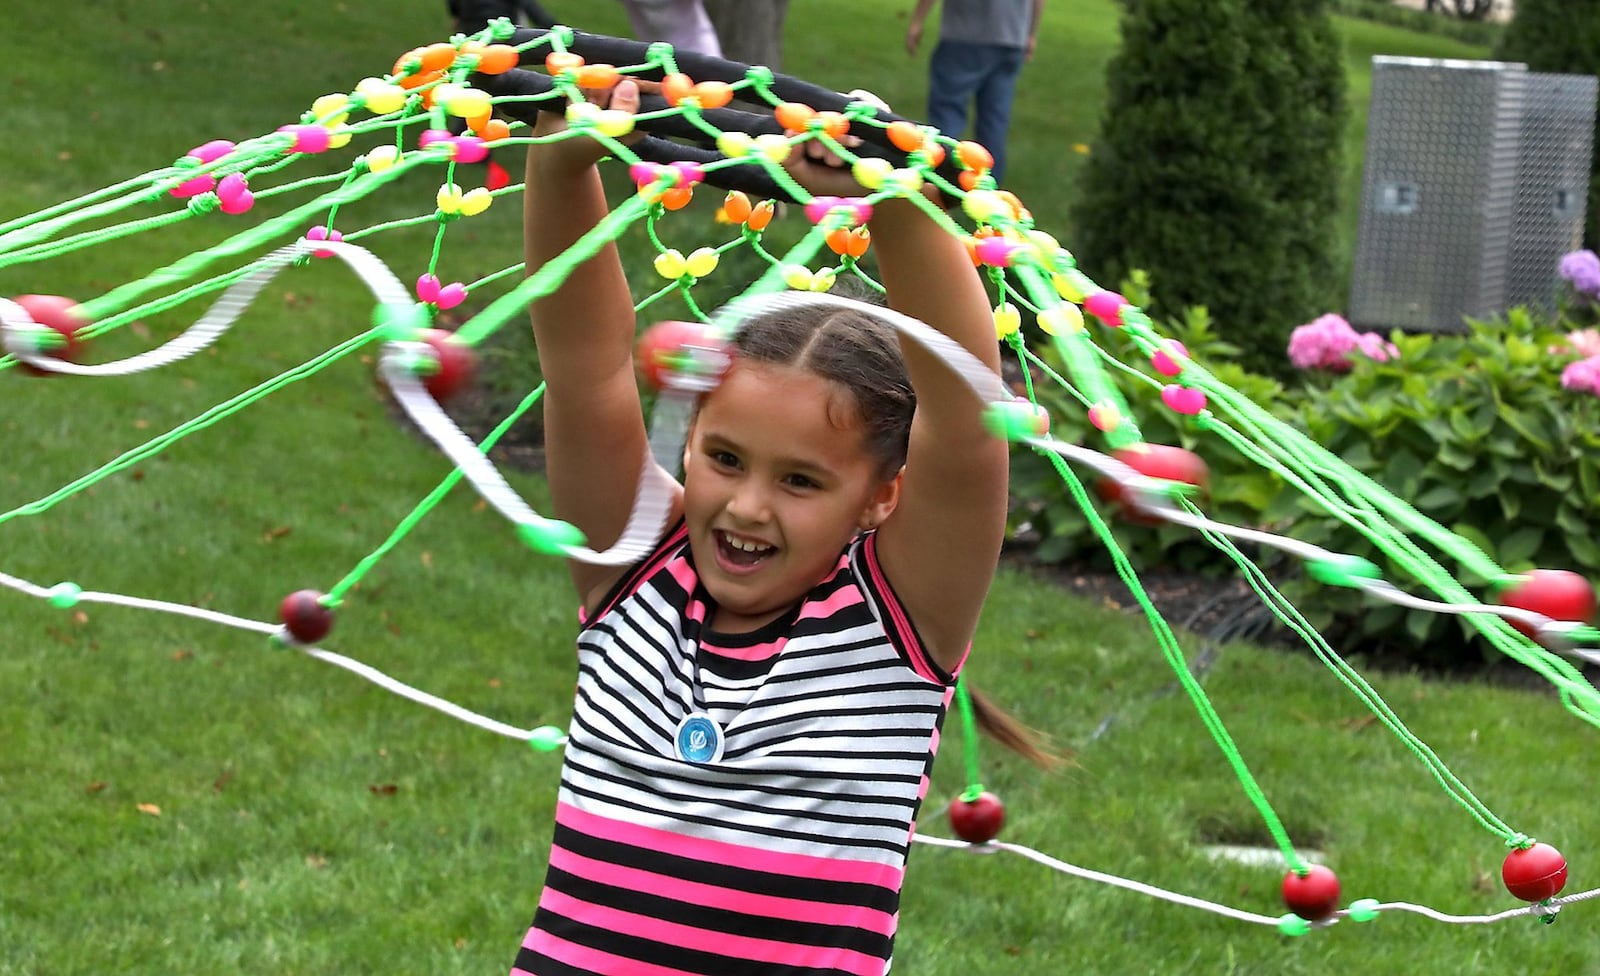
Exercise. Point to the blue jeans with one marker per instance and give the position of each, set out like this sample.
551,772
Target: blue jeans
983,75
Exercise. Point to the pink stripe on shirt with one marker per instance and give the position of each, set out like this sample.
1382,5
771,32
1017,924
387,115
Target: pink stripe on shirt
702,940
593,960
720,852
726,899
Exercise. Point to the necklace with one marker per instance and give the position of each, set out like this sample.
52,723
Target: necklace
699,738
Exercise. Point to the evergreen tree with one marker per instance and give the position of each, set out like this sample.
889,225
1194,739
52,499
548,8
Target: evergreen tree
1218,164
1562,37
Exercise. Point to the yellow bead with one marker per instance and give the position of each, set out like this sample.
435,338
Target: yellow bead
582,113
1007,320
381,96
1063,319
982,205
328,105
613,122
475,201
702,261
735,145
773,146
908,180
1065,288
449,198
823,280
467,103
670,264
871,172
382,158
798,277
338,137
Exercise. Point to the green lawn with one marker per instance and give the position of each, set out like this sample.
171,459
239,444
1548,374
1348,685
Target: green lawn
181,798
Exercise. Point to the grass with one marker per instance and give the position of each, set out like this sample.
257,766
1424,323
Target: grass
183,798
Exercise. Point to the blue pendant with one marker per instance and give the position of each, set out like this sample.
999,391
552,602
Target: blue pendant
699,739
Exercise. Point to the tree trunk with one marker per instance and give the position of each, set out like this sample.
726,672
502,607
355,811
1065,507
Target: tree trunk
751,31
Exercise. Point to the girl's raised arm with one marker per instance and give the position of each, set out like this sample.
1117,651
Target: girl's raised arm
595,439
941,546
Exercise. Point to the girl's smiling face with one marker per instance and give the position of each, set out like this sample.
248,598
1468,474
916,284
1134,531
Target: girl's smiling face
776,481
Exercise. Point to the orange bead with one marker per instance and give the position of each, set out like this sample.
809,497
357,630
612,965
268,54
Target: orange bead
437,57
598,76
860,240
838,240
968,179
413,56
676,87
477,122
905,136
558,61
736,206
410,82
713,94
760,215
972,251
497,59
494,130
834,124
934,151
1018,211
974,156
677,197
794,116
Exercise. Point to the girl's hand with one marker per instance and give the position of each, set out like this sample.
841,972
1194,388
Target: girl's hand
622,97
819,169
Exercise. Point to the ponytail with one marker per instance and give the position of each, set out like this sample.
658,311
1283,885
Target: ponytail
1004,728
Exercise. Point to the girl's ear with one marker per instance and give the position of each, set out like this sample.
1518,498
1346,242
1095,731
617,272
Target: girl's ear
885,498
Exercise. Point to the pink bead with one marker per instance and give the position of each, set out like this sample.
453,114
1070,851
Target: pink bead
431,136
995,251
194,187
212,151
1183,399
1105,417
451,295
1164,362
428,288
469,149
321,233
689,173
1106,306
818,209
308,138
233,193
644,174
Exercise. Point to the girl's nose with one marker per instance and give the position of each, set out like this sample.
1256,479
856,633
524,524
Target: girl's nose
748,503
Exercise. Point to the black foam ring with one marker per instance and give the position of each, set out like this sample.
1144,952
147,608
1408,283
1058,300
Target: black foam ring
672,138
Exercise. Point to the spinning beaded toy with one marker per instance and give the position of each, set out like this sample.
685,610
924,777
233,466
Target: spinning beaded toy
495,85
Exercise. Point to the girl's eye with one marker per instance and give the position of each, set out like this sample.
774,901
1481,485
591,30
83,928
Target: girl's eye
723,459
799,481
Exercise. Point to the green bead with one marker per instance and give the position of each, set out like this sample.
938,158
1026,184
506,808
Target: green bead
550,536
547,738
1293,925
399,321
1013,421
64,596
1343,570
1363,910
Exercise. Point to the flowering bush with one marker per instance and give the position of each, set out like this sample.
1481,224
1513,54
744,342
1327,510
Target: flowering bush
1327,342
1581,270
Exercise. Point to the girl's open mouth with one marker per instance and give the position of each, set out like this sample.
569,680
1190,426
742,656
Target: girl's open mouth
740,552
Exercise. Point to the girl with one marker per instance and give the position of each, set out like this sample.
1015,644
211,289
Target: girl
759,700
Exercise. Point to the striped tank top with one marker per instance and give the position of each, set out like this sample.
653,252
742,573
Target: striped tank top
785,856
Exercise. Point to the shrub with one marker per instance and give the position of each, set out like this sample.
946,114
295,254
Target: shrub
1477,433
1240,491
1221,143
1478,32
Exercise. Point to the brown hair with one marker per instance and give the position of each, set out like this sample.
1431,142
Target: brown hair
1003,727
852,348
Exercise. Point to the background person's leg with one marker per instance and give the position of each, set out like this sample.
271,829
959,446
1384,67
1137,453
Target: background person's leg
994,97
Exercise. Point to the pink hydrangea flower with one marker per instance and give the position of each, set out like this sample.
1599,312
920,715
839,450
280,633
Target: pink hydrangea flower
1582,375
1327,342
1581,269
